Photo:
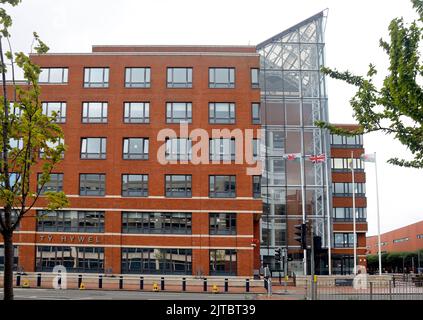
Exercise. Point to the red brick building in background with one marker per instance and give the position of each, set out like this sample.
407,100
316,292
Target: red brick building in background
405,239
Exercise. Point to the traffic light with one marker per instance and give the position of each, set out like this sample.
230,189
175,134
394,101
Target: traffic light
278,254
301,234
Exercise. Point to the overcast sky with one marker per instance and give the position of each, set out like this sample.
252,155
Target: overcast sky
352,35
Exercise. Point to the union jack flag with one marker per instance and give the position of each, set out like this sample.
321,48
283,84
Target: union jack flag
317,158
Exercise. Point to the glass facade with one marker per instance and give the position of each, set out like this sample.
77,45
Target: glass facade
293,97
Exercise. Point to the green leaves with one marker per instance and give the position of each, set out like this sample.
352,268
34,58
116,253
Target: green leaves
396,108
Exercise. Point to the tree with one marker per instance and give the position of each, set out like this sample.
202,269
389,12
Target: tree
397,107
25,132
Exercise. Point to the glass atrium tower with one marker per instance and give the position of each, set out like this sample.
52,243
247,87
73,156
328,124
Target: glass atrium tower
293,97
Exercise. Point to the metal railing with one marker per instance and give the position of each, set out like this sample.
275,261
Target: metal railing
363,289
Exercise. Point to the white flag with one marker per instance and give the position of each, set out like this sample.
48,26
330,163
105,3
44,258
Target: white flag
368,157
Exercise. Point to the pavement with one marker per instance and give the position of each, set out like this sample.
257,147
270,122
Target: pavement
74,294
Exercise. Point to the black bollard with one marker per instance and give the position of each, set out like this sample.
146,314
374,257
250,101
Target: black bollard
100,281
18,280
39,280
162,284
79,280
141,283
121,282
226,285
247,285
205,285
184,284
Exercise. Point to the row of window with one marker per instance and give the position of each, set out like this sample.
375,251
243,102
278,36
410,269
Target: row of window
344,240
134,260
141,77
343,164
346,141
139,112
136,185
220,149
133,222
346,189
346,214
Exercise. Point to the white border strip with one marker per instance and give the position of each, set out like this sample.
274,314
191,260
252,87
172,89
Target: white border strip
152,210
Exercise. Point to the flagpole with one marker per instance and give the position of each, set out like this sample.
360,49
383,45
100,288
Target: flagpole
354,227
378,219
328,219
303,210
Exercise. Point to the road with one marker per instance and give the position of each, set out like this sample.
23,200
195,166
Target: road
50,294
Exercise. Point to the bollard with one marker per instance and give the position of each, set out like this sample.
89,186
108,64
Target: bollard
18,280
226,285
205,285
184,284
162,284
79,280
247,285
371,290
121,282
100,281
141,283
39,280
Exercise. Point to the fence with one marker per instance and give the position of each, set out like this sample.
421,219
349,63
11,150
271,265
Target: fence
363,289
140,283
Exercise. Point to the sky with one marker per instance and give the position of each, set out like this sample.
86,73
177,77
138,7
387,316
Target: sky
353,31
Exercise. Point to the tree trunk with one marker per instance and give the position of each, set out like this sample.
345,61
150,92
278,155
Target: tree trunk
8,265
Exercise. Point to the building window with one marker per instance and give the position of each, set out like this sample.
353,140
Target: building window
256,186
93,148
135,185
157,261
136,112
74,259
222,112
94,112
55,184
177,112
137,77
222,149
56,110
345,189
96,77
178,186
222,186
345,214
178,149
15,257
343,164
92,184
135,148
179,77
53,75
52,145
344,240
70,221
157,222
345,141
255,78
400,240
223,262
222,223
255,112
420,236
14,217
221,77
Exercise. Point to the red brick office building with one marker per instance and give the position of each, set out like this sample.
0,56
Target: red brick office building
344,148
405,239
129,213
